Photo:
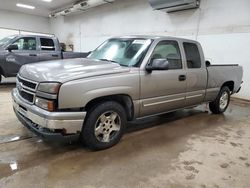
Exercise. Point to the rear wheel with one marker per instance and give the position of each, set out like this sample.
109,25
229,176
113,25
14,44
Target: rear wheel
104,125
220,104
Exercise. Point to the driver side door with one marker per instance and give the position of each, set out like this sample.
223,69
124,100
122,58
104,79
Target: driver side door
26,53
164,90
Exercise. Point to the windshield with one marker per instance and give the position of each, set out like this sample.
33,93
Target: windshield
126,52
6,40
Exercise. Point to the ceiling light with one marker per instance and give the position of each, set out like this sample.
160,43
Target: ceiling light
25,6
47,0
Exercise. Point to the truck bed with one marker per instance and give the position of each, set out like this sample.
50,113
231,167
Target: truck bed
218,74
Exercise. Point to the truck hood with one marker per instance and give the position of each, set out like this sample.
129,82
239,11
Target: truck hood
69,69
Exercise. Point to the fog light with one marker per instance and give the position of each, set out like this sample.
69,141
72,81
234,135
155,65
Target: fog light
45,104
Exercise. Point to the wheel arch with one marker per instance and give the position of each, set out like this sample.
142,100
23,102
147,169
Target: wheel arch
229,84
123,99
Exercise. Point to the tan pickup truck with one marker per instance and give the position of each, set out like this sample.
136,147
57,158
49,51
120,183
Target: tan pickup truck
125,78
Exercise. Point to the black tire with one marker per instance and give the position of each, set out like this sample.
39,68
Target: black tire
216,107
94,117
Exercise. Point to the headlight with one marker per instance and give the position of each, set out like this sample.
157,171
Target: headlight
45,104
49,87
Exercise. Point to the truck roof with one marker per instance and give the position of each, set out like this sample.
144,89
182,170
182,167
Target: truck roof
156,37
33,35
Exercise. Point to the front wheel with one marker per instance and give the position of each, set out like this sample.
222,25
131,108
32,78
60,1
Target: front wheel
220,104
104,125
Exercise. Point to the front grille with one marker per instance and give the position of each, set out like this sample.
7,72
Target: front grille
26,89
27,96
26,83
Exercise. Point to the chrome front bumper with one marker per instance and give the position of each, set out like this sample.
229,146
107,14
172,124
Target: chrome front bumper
70,121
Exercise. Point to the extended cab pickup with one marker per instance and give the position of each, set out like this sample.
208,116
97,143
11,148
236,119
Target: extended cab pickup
18,50
125,78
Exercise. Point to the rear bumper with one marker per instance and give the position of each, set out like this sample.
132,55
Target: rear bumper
47,124
238,90
239,87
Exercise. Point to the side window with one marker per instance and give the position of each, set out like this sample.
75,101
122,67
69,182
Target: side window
26,43
168,50
47,44
192,55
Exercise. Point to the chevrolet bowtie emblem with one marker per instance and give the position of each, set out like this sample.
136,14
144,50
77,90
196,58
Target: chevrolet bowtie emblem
19,86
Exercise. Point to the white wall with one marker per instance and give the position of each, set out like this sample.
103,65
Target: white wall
26,22
223,28
7,32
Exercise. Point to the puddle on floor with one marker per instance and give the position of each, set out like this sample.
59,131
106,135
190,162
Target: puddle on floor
8,169
13,138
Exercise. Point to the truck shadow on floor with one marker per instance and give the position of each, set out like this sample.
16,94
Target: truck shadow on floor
165,121
159,120
9,85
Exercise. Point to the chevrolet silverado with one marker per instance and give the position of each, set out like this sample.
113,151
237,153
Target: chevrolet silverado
125,78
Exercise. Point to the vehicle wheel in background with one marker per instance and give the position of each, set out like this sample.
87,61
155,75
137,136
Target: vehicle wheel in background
220,104
104,125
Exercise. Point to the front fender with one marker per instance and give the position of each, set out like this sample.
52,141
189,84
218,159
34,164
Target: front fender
120,90
76,94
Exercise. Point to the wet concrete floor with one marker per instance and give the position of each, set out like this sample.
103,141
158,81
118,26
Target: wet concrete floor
188,148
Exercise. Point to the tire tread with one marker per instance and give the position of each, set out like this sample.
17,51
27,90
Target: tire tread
214,106
87,135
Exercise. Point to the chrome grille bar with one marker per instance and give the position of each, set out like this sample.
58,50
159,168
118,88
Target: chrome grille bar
26,89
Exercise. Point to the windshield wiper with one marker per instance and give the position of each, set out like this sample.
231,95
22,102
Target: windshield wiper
109,60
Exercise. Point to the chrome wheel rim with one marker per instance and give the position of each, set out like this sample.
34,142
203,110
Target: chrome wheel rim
224,100
107,126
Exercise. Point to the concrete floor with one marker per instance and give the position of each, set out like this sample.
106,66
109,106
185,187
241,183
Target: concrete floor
188,148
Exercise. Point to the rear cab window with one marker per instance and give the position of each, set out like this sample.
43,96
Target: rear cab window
47,44
192,53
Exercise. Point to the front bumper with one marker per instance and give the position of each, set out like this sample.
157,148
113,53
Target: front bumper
44,133
47,124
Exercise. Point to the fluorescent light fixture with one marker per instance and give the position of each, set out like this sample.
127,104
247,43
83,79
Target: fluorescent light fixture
47,0
25,6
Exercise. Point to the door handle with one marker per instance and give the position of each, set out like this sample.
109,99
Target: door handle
182,77
34,55
55,55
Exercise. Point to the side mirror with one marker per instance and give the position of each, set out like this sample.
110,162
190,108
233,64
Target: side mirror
12,47
208,63
158,64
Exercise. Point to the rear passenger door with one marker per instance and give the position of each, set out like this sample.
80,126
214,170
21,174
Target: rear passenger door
196,73
48,49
